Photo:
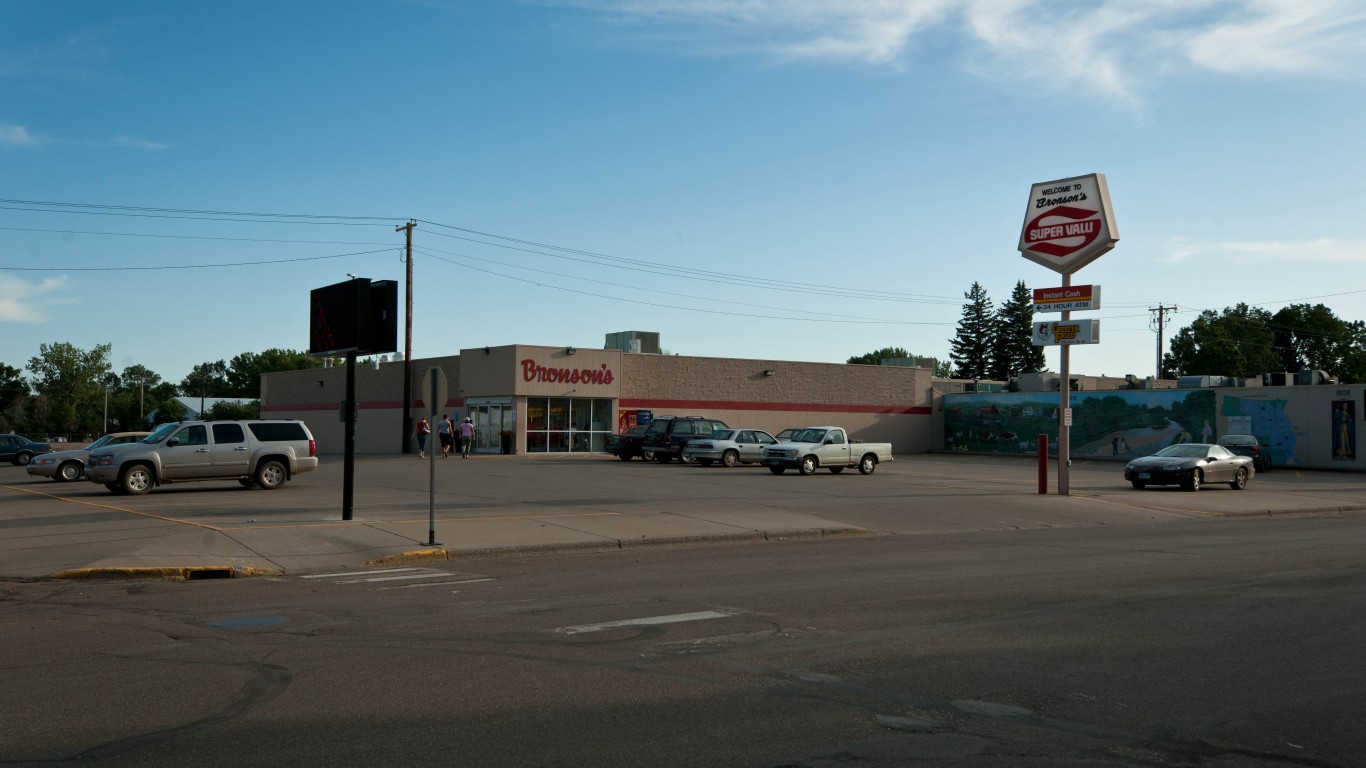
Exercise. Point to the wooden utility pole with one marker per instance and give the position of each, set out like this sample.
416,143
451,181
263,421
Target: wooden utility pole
407,229
1161,323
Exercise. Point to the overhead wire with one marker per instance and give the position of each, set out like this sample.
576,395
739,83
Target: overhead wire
124,268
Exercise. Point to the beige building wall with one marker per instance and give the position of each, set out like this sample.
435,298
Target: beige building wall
875,403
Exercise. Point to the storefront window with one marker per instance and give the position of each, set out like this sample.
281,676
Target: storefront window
568,425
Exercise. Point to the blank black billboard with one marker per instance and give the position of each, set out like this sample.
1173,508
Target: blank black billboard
358,316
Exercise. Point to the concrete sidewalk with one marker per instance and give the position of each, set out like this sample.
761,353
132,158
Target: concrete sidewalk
515,505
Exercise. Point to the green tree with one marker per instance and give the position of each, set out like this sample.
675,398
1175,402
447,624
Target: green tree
1313,337
13,391
227,410
1236,342
206,380
1012,351
71,382
970,348
167,411
244,371
876,357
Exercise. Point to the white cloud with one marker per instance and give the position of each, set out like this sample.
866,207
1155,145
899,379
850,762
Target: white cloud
16,135
1111,47
1322,250
22,301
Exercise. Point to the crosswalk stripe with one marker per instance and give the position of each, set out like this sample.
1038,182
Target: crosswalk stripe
648,621
437,575
437,584
354,573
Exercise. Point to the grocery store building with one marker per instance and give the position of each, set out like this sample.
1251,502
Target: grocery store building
568,400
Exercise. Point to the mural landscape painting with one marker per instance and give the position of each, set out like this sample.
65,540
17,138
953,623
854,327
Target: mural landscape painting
1115,424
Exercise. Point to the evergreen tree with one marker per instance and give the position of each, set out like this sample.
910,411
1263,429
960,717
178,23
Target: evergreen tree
970,349
1012,351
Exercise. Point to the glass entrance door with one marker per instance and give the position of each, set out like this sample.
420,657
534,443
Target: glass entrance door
490,420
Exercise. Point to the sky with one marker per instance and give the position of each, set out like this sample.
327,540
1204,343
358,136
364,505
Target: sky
766,179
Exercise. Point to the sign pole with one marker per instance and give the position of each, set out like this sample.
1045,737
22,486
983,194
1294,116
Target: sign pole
349,439
432,395
1064,406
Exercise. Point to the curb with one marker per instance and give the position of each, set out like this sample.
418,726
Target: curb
414,556
164,573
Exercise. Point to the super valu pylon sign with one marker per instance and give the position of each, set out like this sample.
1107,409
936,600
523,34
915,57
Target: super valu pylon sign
1068,223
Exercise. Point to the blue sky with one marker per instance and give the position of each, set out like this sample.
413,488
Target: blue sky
800,179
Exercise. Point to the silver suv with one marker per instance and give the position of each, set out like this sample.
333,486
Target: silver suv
261,452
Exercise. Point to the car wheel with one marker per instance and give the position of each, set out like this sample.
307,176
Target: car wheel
836,470
1139,484
730,458
647,455
777,470
685,459
69,471
1239,479
136,480
1193,484
624,456
704,462
808,466
271,475
867,465
23,459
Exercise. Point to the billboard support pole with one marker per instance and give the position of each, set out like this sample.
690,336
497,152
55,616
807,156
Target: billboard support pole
1064,405
349,438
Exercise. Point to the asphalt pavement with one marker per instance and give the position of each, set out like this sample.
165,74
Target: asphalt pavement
408,509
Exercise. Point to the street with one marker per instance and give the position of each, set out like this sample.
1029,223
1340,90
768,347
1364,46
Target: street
1215,642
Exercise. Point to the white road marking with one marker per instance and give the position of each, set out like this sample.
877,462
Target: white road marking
648,621
354,573
437,575
437,584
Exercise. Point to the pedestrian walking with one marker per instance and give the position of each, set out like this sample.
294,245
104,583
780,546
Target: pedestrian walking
446,434
466,437
423,429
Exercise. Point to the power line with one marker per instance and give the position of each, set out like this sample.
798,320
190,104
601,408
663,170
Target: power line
190,266
386,219
189,237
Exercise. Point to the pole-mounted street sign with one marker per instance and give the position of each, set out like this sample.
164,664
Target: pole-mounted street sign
1067,299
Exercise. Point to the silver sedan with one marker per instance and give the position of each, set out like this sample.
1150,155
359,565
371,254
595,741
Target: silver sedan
65,466
729,446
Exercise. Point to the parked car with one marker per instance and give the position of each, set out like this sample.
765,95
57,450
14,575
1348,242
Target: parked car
667,435
629,444
1247,445
1191,465
261,453
729,446
830,448
17,449
65,466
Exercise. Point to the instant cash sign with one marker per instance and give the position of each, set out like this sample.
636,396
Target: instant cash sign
1068,223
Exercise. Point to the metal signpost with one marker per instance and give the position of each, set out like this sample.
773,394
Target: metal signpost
1068,224
433,400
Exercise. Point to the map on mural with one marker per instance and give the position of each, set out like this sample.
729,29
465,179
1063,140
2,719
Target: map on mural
1269,423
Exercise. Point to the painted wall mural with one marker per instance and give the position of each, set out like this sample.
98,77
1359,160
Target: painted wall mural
1110,424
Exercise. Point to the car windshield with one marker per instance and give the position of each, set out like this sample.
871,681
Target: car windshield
722,434
809,436
1183,451
160,433
99,442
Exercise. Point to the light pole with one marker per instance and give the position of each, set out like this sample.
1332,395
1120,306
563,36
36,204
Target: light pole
105,431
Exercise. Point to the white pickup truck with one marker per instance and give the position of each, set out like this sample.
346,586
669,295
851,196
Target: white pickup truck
814,447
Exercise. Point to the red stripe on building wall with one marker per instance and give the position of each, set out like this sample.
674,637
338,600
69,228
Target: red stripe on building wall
365,405
733,405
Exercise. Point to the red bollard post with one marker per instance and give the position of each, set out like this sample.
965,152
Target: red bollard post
1043,464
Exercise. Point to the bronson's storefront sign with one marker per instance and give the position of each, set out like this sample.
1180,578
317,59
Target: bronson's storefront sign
534,372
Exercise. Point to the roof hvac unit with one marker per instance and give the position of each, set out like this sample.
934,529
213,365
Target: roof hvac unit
1278,379
645,342
1309,378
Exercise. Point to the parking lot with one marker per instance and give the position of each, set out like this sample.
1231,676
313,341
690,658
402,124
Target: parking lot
504,505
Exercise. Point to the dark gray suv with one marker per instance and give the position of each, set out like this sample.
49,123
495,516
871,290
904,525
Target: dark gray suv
667,435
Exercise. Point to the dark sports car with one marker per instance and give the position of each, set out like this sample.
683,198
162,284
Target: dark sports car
1191,465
